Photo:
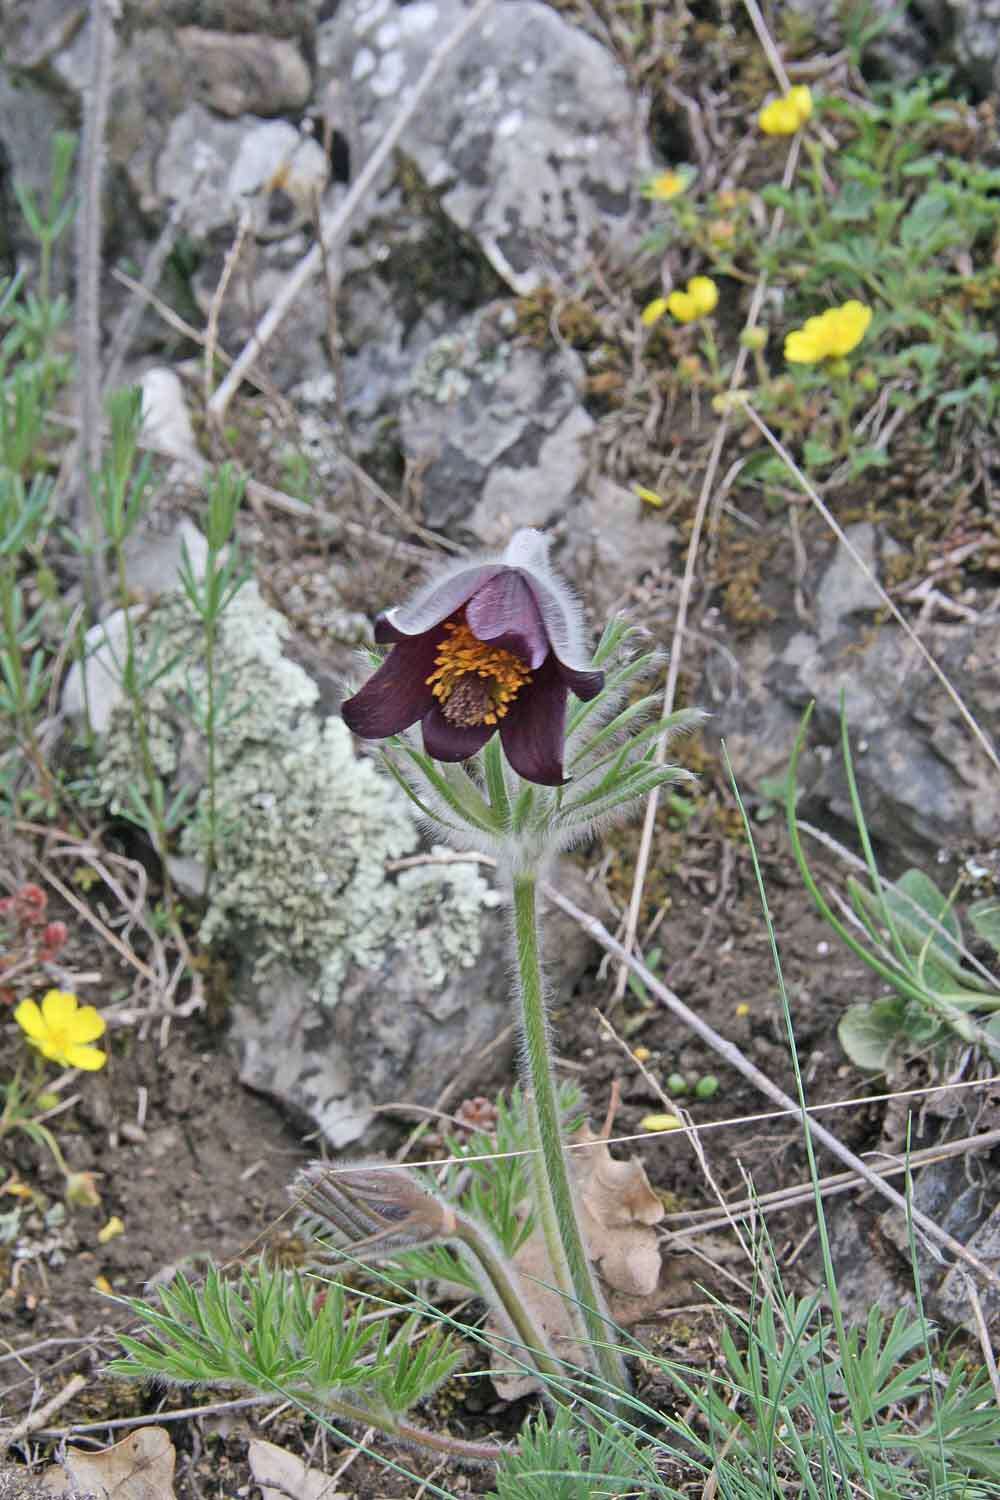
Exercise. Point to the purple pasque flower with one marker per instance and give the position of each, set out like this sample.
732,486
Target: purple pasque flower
496,646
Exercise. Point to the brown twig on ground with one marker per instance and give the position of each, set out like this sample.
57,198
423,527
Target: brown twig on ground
309,266
38,1418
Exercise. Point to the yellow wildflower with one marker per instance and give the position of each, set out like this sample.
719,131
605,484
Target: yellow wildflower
111,1230
830,335
698,301
61,1028
786,115
742,1009
660,1122
665,186
653,311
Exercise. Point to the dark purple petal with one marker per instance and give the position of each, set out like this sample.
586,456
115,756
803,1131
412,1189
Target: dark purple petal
435,602
397,695
533,730
444,740
503,612
585,685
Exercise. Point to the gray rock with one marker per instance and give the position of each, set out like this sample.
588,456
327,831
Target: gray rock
976,42
611,541
152,86
30,117
844,591
221,168
496,428
924,783
95,688
239,75
392,1038
277,18
531,137
32,32
166,422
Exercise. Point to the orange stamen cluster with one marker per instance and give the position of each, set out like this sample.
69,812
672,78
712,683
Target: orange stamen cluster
474,682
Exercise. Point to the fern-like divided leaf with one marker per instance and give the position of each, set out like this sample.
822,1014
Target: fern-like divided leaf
277,1330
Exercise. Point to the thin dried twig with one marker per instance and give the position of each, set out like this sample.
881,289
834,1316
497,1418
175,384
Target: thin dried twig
218,298
310,264
38,1418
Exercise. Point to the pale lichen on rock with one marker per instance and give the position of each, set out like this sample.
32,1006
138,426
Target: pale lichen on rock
304,826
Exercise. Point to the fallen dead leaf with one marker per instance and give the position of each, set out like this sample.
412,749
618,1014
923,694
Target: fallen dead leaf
140,1467
618,1209
281,1474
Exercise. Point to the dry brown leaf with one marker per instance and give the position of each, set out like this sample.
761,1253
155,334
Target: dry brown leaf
140,1467
281,1475
618,1208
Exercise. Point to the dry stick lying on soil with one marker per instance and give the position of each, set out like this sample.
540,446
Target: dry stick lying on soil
311,263
736,1059
702,1220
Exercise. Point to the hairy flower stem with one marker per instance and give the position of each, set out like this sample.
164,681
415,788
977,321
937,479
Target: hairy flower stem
532,1340
554,1200
437,1442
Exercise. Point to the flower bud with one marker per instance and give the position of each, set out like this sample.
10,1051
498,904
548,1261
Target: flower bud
54,937
753,338
364,1206
30,903
81,1190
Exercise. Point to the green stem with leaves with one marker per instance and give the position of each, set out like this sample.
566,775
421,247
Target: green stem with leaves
554,1200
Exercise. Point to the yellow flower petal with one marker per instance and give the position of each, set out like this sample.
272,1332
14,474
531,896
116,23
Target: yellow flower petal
848,326
830,335
801,100
664,187
660,1122
102,1284
90,1059
683,307
30,1019
705,293
653,311
111,1230
786,115
87,1025
58,1009
803,348
650,497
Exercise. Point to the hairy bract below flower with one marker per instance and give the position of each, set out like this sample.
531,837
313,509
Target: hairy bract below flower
830,335
61,1028
788,114
493,647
